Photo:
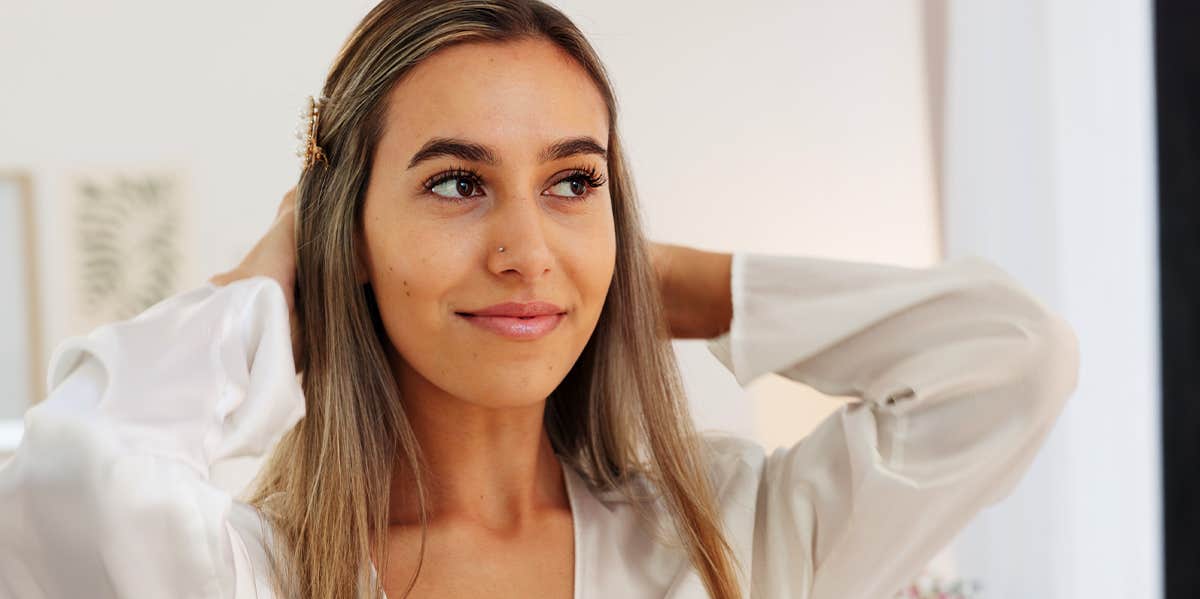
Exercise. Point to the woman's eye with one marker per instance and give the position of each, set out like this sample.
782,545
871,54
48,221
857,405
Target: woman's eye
574,186
455,187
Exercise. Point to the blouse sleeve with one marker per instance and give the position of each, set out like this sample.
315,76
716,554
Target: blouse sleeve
108,494
961,375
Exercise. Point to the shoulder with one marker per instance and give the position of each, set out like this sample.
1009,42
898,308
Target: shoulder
732,460
728,449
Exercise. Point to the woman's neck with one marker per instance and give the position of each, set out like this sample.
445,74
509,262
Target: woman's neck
494,467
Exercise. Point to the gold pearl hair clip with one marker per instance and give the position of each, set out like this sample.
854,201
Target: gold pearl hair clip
309,152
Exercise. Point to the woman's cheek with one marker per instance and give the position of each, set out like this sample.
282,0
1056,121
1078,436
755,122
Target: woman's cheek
601,257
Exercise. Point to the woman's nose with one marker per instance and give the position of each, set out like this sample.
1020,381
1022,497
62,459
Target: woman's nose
519,226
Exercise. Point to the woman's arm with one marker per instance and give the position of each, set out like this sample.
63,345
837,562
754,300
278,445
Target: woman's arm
961,372
108,494
274,256
694,285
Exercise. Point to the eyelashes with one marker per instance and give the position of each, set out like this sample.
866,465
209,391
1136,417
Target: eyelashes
586,175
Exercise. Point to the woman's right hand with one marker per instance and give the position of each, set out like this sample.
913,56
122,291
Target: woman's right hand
274,256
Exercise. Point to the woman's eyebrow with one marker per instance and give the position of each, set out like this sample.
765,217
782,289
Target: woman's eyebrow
473,152
572,146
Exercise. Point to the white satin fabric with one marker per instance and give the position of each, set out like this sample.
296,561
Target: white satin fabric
962,374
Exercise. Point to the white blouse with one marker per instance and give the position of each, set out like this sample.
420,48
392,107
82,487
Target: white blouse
961,372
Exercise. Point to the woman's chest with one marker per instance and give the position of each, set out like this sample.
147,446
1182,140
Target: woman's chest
539,562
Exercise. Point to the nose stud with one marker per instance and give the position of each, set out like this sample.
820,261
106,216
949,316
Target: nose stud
501,249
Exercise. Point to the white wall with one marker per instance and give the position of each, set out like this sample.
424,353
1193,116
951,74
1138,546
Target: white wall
1049,171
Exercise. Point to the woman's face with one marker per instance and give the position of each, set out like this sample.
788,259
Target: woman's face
436,214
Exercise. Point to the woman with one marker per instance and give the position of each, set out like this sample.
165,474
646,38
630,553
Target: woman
489,402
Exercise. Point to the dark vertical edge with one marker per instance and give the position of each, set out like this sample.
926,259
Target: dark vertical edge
1177,90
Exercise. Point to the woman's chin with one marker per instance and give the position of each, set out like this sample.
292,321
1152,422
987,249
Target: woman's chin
506,390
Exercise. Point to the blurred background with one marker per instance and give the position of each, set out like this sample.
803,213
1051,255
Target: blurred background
144,146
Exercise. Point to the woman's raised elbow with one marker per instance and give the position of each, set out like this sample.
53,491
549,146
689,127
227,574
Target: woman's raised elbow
1049,366
1052,373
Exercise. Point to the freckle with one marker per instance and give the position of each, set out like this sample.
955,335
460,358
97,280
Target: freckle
406,283
408,294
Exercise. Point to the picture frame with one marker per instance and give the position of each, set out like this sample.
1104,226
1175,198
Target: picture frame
22,380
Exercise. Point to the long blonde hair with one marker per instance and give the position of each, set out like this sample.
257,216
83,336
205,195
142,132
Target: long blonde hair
617,418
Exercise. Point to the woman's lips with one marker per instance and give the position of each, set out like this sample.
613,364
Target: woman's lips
513,327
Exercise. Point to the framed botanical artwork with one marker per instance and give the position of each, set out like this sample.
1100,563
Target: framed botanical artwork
128,235
21,377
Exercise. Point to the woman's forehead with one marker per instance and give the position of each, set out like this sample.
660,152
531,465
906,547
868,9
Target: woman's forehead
498,94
